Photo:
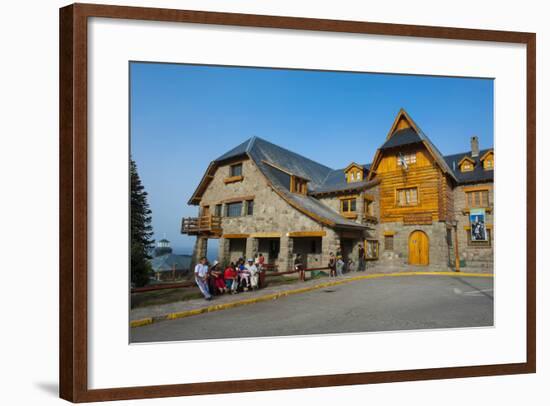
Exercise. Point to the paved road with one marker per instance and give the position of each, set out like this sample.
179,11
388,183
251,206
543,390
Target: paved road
385,304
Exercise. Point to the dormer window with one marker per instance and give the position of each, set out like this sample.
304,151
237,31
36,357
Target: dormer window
488,161
466,164
298,185
354,173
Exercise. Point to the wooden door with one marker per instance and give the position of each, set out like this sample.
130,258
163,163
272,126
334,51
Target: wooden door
419,248
205,211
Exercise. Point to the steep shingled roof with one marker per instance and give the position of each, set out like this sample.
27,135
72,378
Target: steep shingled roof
400,138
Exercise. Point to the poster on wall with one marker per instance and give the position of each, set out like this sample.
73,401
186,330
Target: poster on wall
477,222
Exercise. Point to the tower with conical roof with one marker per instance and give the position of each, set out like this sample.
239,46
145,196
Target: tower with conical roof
163,247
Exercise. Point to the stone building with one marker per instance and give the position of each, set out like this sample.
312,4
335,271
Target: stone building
410,206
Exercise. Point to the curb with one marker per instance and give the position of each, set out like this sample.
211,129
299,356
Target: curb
274,296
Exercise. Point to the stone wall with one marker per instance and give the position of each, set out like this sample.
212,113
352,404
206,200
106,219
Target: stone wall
475,256
439,253
331,201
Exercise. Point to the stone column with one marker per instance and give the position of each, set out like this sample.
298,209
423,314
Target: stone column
251,247
201,246
223,251
360,207
286,259
331,243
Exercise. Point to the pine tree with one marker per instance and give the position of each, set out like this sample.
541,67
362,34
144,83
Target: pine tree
141,230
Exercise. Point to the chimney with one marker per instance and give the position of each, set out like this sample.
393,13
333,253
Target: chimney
475,146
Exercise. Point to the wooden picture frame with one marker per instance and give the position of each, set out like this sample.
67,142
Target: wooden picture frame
74,201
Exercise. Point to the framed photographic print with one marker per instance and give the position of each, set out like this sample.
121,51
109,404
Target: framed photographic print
257,202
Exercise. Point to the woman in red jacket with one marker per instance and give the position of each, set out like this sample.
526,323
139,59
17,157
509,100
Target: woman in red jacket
230,276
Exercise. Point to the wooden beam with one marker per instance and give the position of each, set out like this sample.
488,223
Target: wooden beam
229,236
266,235
306,234
417,218
237,199
477,188
348,197
488,210
389,233
233,179
350,234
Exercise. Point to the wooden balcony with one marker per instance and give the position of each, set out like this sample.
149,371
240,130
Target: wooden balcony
368,219
205,225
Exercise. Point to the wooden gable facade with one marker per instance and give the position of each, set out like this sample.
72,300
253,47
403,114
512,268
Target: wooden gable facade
414,188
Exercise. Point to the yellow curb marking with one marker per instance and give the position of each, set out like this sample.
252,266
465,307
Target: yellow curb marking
273,296
142,322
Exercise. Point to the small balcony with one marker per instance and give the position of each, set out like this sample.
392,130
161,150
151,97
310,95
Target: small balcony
204,225
368,219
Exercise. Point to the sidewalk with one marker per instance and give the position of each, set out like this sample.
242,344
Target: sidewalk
148,315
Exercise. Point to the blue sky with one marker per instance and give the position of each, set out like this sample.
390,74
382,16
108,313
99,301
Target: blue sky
184,116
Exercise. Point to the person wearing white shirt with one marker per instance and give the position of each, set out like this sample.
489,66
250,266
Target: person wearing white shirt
201,278
254,273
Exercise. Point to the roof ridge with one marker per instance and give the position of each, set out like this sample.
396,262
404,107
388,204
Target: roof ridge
251,142
328,174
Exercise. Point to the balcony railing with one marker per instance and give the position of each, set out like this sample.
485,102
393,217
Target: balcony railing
367,218
201,225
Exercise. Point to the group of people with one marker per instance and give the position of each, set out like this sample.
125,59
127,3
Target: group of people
337,266
239,276
242,275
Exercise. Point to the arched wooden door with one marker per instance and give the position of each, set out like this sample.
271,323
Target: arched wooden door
419,248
